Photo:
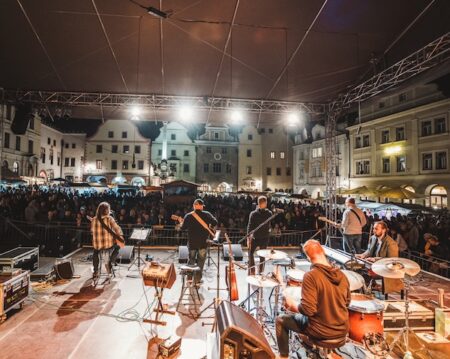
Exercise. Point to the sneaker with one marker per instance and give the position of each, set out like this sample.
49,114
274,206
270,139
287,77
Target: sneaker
94,275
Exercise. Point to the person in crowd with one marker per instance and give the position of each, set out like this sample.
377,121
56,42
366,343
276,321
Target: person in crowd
397,236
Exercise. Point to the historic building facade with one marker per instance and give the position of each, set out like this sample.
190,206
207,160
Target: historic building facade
250,161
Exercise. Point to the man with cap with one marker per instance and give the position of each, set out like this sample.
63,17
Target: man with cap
198,224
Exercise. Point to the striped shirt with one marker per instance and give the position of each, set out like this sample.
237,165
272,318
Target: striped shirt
101,238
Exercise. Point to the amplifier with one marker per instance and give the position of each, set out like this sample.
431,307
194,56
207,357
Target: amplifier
237,252
26,258
14,289
161,275
64,268
239,335
169,347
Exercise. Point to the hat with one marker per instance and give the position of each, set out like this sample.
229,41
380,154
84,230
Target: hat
199,201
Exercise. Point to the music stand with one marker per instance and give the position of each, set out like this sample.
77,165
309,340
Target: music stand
139,235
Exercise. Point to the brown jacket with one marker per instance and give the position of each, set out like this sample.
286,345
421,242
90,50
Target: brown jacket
325,299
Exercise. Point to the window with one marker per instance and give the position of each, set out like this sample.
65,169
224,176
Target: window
224,150
66,162
125,164
32,123
439,125
278,171
381,104
208,149
358,142
426,128
173,137
248,170
288,171
113,164
140,165
317,152
114,148
50,156
250,137
98,164
74,145
173,167
17,143
269,171
427,161
186,153
217,167
399,133
6,144
385,136
216,135
401,164
186,168
110,134
386,165
99,149
228,168
402,97
30,146
441,160
160,152
272,154
366,140
270,130
137,149
54,142
16,167
249,153
66,145
173,153
58,159
49,141
43,154
316,170
363,167
206,167
126,149
282,154
72,162
262,130
124,134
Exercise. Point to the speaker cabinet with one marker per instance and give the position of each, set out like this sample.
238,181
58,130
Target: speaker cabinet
64,269
237,252
183,254
126,254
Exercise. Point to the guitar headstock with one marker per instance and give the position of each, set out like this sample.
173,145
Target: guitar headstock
174,217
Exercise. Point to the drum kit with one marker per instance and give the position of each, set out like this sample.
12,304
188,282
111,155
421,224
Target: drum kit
365,311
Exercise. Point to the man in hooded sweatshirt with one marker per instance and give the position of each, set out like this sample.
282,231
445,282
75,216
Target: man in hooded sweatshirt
322,313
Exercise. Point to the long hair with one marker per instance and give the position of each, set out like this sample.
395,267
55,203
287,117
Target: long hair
103,209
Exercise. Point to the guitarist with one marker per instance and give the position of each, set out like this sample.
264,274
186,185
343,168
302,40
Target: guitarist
261,237
198,223
105,233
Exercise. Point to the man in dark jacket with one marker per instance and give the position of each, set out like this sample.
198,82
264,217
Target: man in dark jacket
322,313
198,235
261,237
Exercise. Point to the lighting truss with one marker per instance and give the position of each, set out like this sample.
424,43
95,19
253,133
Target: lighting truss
160,102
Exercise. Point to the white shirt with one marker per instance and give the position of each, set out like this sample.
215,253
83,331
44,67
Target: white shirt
350,223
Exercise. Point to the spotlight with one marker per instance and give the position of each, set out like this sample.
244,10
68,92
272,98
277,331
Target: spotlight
156,12
186,113
236,116
135,113
293,119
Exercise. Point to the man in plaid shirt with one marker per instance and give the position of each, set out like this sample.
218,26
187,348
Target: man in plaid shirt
102,239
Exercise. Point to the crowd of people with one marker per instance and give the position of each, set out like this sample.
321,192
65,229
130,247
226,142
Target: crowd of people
427,234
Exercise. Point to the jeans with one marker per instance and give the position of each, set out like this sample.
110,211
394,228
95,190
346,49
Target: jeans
197,256
113,252
262,244
353,242
284,323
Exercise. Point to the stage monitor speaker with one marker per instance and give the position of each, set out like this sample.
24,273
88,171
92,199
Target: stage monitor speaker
21,119
183,254
64,269
237,252
126,254
239,335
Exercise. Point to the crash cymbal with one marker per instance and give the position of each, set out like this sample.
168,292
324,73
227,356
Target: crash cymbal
271,254
395,267
353,265
262,281
356,280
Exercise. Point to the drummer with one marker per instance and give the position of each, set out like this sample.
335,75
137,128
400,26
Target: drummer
322,313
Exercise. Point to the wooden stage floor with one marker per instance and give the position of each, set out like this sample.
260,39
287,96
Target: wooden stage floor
76,320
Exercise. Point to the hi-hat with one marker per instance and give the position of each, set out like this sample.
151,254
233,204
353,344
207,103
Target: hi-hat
262,281
395,267
356,280
271,254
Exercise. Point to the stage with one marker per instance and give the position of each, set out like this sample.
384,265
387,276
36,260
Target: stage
75,320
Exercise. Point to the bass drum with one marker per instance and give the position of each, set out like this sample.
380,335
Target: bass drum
365,316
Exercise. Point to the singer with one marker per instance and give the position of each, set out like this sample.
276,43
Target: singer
260,237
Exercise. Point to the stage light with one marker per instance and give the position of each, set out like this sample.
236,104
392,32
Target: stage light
293,119
393,150
236,116
135,112
186,113
156,12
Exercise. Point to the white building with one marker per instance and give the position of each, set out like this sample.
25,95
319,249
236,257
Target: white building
73,156
175,146
118,152
309,162
250,160
50,163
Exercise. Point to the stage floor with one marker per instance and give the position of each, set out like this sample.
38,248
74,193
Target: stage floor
76,320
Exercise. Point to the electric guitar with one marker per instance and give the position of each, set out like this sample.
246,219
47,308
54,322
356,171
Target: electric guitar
213,232
230,274
120,240
333,223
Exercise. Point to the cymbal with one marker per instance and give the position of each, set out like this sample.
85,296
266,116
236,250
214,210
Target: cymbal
262,281
353,265
356,280
271,254
395,267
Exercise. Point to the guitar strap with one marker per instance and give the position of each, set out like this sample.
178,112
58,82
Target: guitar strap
202,222
110,231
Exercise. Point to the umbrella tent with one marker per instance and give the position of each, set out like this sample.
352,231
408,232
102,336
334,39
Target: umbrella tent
399,193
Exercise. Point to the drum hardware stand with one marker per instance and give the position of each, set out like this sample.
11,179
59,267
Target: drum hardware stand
160,308
209,258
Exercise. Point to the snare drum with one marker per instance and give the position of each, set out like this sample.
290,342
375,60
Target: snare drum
365,316
294,277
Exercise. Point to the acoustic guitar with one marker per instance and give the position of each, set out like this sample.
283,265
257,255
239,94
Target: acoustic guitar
230,274
120,240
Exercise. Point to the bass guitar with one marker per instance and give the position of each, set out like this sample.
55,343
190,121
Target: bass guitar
230,274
